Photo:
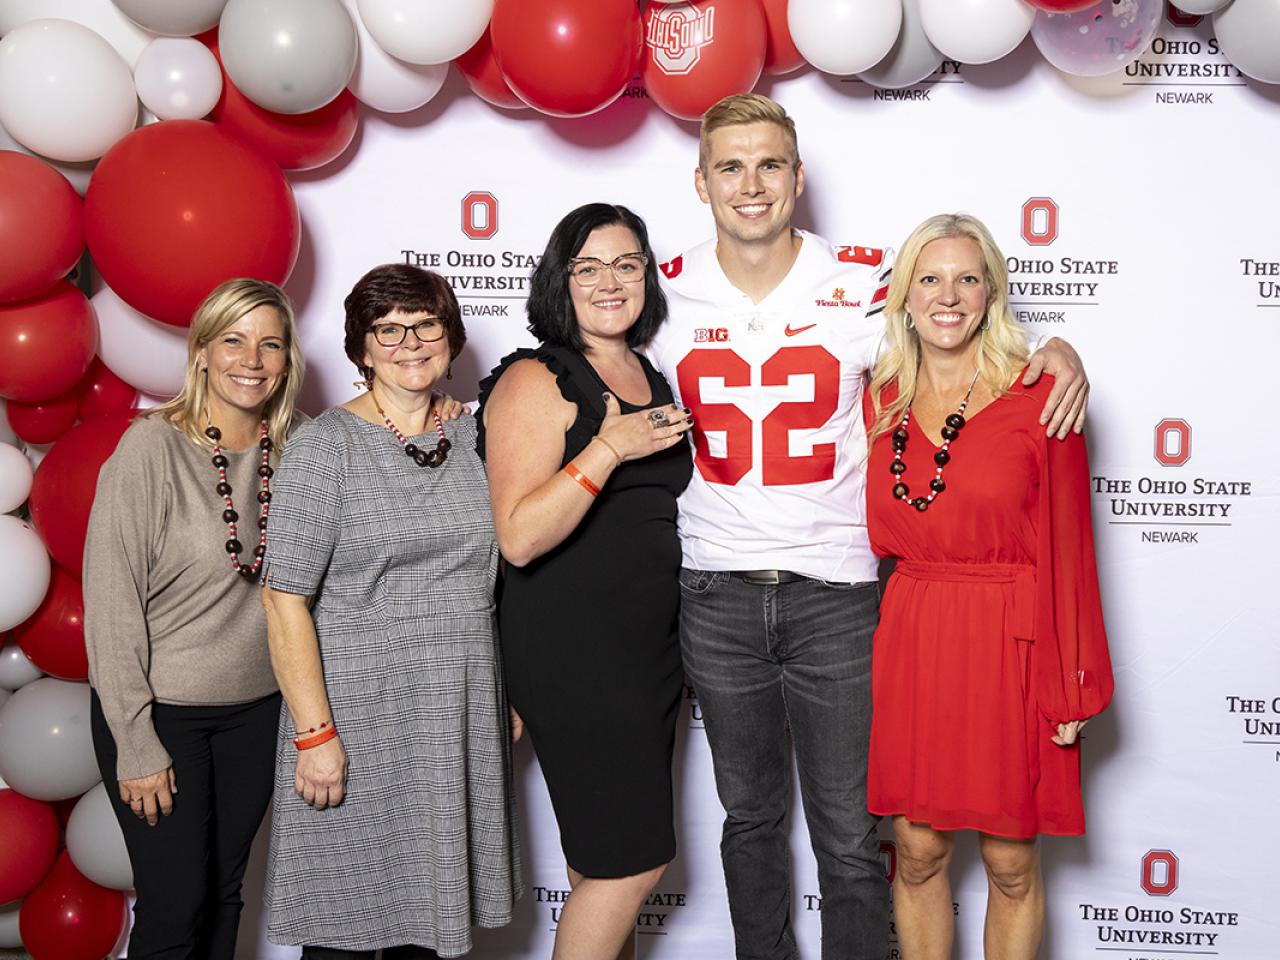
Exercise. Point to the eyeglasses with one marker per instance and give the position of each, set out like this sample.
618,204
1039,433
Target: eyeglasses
628,268
392,334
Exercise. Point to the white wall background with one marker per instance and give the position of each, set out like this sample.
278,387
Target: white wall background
1177,195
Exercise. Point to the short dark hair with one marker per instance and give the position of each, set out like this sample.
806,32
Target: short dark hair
550,307
398,286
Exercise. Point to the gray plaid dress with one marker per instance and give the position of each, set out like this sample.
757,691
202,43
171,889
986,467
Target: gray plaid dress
402,562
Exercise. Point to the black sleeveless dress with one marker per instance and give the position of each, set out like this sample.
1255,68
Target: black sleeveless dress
590,645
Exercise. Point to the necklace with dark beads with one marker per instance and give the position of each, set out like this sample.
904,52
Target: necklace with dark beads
423,458
954,424
229,515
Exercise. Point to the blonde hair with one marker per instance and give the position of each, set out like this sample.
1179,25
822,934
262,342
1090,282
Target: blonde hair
1002,351
745,108
227,303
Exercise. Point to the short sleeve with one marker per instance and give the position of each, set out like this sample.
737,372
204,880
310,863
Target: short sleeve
553,358
306,502
1073,672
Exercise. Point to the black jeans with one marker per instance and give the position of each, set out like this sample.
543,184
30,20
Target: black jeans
188,868
792,658
388,953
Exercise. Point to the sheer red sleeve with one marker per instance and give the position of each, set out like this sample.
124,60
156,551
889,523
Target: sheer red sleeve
1073,668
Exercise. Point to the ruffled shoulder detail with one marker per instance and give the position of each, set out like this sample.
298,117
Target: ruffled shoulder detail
557,360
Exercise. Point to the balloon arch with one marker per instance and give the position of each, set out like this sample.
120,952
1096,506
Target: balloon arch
235,94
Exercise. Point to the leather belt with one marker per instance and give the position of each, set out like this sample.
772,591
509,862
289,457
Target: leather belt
767,577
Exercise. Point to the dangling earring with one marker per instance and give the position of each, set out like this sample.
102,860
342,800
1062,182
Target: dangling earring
448,373
986,322
909,322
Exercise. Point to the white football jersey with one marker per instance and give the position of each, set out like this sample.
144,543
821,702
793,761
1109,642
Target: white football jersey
776,391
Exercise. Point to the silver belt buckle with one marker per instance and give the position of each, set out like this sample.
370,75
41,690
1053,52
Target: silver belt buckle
761,577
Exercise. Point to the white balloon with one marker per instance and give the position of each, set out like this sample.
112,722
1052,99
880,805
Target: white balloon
288,56
387,84
95,842
15,477
46,747
178,78
16,670
9,935
100,16
145,354
976,31
77,173
1249,33
1200,7
169,19
419,32
912,58
844,36
26,565
64,91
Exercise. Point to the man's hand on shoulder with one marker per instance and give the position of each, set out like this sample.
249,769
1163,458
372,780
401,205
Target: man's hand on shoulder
1064,410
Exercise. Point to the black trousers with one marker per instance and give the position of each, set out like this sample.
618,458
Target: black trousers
388,953
188,868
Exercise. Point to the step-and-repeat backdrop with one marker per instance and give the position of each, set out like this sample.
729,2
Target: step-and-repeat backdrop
1139,215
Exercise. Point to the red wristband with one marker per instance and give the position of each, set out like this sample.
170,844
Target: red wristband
324,736
583,480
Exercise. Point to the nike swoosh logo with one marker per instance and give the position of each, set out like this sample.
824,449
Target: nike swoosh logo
791,333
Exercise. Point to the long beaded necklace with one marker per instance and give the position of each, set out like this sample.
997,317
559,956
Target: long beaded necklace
423,458
951,429
229,515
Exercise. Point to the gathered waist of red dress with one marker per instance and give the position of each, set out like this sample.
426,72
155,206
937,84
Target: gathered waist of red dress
1021,575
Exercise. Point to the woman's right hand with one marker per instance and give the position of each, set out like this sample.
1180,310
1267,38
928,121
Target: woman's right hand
320,774
150,796
633,436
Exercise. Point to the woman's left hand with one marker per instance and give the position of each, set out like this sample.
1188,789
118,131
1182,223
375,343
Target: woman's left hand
447,407
1069,732
320,774
1064,409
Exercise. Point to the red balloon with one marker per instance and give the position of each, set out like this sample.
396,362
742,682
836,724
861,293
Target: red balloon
567,58
1063,6
69,917
781,56
483,75
46,343
66,480
301,141
175,208
698,53
30,831
41,226
53,636
43,422
101,391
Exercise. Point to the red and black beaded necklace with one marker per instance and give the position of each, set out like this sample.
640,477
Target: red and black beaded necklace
422,458
951,429
229,515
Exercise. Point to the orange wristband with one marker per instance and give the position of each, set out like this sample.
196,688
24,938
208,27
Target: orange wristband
583,480
324,736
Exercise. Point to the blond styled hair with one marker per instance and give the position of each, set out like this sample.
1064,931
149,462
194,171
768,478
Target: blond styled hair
744,108
1002,351
227,303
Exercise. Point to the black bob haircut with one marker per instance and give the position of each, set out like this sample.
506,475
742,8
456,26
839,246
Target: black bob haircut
398,286
550,308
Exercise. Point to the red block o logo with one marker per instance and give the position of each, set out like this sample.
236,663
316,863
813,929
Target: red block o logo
1159,873
1040,221
1173,442
479,215
889,857
1180,19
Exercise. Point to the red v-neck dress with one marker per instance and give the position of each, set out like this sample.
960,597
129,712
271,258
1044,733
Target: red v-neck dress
990,629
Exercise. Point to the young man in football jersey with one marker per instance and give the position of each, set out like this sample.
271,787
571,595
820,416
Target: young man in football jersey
771,337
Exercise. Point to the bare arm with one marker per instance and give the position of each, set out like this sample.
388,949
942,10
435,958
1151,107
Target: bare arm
536,505
1065,407
321,772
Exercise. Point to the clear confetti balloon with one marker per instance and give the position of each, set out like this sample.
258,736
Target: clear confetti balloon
1100,39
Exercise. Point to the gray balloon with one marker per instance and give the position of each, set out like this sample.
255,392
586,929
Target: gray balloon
170,19
288,56
96,843
9,935
46,749
15,669
912,58
1249,34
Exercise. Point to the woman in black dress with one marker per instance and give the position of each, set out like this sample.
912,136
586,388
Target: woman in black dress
586,456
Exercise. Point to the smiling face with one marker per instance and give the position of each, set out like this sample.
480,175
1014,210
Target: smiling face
751,181
245,364
949,293
411,365
607,310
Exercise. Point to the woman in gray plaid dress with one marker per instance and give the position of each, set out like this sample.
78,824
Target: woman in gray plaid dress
394,820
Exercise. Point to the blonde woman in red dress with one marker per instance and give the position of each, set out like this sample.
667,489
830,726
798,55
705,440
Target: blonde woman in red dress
990,655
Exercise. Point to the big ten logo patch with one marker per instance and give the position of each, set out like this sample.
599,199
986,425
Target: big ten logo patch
711,335
676,34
